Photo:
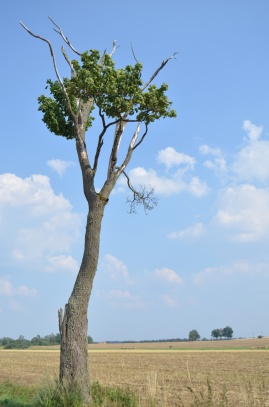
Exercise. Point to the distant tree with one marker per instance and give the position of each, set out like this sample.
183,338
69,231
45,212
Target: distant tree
217,333
20,343
193,335
5,341
227,332
90,340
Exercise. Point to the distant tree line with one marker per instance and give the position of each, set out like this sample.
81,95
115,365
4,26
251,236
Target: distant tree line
22,343
220,333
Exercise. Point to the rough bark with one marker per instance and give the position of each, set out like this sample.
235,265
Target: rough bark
73,323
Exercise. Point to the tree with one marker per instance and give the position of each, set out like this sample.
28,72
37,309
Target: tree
216,333
118,97
227,332
193,335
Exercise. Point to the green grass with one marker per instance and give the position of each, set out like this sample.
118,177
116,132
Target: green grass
12,395
53,394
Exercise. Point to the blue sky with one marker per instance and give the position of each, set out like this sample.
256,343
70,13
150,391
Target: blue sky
200,260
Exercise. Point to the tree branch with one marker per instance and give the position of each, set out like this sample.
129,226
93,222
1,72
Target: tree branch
59,31
120,127
55,68
73,72
100,138
158,70
114,48
142,138
143,197
134,54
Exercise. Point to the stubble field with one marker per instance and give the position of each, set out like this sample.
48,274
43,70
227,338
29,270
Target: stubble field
234,373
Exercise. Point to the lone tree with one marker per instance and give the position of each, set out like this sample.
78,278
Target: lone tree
118,97
194,335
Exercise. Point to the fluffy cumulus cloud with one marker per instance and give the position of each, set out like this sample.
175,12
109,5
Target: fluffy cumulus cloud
38,223
168,275
244,211
192,232
168,185
177,178
251,164
59,166
170,157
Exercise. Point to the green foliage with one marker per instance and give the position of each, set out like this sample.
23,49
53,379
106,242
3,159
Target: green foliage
226,332
216,333
20,343
52,339
115,92
194,335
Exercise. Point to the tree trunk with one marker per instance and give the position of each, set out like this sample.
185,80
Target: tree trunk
74,324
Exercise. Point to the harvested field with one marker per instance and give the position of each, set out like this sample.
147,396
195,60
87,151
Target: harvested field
158,373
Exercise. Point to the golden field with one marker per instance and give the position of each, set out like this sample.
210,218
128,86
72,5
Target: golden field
158,372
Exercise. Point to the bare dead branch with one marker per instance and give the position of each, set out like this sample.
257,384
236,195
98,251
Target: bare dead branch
55,67
59,31
73,72
114,48
134,54
142,138
158,70
145,196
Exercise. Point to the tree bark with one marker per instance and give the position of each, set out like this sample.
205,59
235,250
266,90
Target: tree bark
73,324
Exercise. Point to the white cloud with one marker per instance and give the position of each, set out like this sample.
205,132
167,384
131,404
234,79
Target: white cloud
236,268
244,210
251,163
168,275
197,187
192,232
170,301
35,222
252,130
7,289
170,157
116,268
205,149
122,299
219,164
62,263
175,184
59,166
162,185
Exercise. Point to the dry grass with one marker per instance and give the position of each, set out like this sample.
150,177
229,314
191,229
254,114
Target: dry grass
154,371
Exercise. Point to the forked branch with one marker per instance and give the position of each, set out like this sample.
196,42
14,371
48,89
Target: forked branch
55,67
145,196
59,31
